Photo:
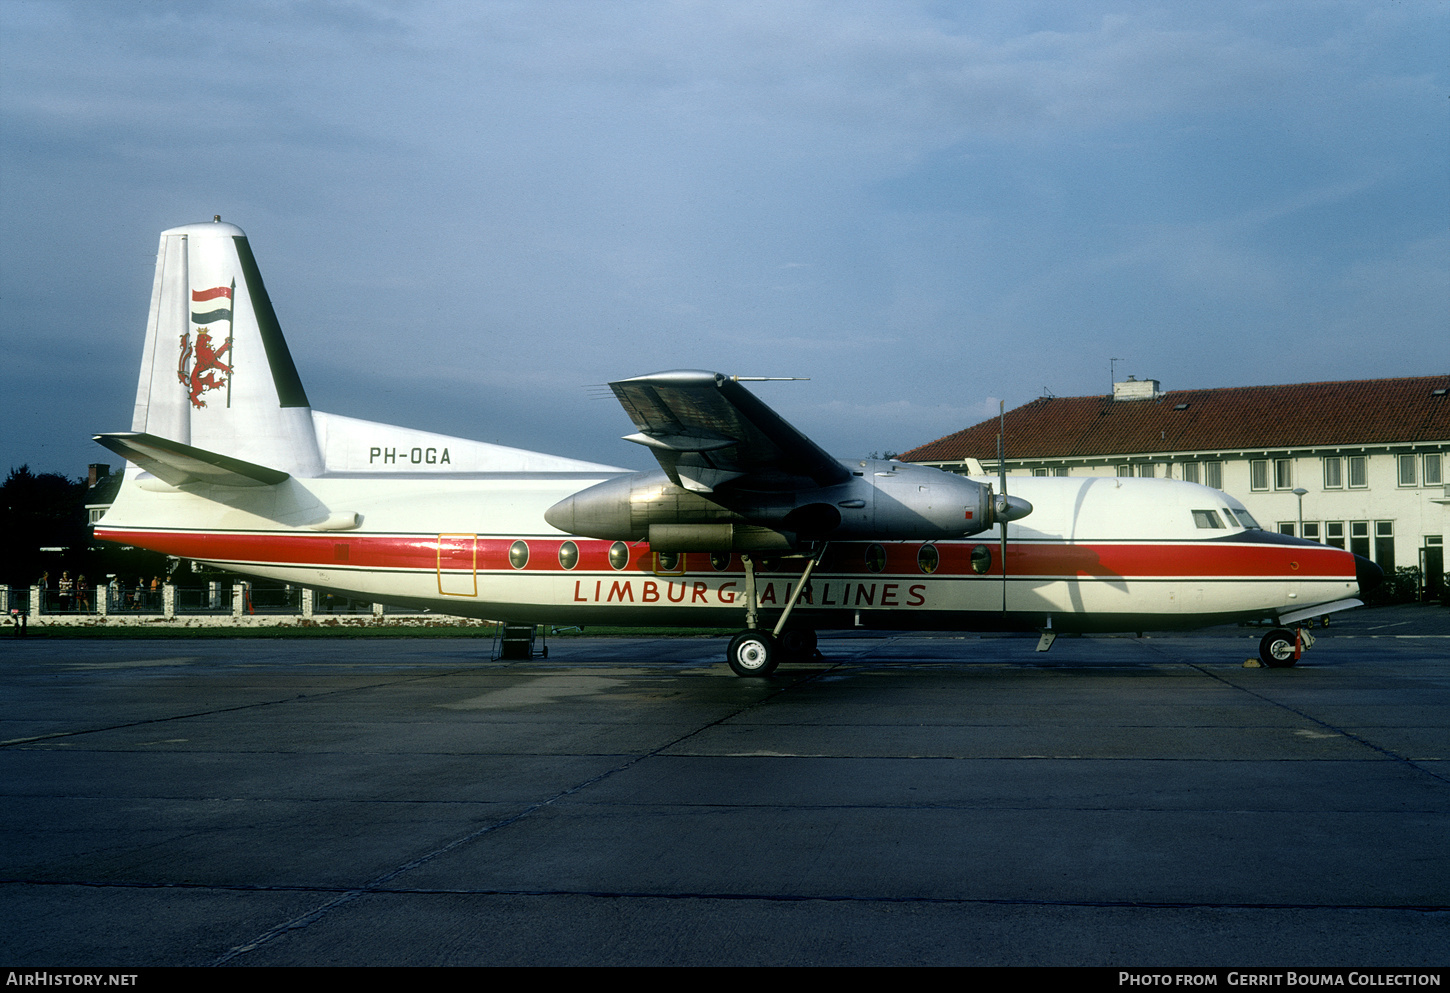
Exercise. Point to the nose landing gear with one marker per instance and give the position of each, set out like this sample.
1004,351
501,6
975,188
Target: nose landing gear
1281,648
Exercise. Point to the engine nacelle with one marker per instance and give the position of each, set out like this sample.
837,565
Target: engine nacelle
882,501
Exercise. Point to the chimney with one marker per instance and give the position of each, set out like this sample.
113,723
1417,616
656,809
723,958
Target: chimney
95,472
1135,389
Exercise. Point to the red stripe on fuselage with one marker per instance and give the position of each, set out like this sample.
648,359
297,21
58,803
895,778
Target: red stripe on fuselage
1030,559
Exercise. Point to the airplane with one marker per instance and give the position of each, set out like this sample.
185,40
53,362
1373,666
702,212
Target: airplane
746,522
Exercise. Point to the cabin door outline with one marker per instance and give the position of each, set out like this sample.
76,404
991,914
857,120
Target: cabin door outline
458,565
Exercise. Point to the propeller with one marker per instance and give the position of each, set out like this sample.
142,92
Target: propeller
1005,508
1002,505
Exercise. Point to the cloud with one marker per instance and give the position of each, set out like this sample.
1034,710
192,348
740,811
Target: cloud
918,205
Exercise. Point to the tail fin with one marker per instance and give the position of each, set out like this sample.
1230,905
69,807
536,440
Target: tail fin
216,373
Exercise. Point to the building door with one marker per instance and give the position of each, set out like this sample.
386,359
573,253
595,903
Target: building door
1432,565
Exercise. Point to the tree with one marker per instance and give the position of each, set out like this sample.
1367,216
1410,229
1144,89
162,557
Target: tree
40,511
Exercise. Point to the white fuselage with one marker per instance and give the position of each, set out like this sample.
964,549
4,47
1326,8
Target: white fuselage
1096,554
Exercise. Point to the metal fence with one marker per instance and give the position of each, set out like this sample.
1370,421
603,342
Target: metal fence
213,598
334,605
287,600
14,598
134,600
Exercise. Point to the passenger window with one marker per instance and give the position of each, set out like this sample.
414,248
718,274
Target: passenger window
981,559
928,559
1207,519
875,558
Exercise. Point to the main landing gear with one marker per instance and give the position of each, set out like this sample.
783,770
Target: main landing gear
1281,648
755,652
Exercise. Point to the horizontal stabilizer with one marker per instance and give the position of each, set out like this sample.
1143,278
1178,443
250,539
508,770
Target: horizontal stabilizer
180,464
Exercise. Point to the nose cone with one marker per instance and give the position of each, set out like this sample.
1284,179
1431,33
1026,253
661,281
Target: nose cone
561,516
1010,508
1367,574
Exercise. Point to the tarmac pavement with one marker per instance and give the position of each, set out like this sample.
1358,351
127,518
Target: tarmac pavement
908,799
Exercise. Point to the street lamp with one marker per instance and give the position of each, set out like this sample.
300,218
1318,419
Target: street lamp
1299,492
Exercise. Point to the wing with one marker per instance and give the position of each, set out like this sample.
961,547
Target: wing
709,432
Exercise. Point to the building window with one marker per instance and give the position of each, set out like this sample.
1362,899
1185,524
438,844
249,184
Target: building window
1359,538
1334,533
1311,530
1213,475
1432,471
1060,471
1190,472
1283,474
1286,527
1125,470
1147,470
1358,472
1334,473
1384,545
1039,472
1407,474
1259,474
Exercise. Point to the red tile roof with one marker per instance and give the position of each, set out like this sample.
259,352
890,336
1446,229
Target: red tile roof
1361,412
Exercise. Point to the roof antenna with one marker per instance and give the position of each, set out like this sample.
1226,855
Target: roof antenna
216,218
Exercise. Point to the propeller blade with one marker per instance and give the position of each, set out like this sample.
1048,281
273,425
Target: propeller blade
1003,502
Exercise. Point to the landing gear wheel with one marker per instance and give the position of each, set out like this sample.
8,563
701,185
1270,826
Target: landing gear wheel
752,653
798,644
1276,649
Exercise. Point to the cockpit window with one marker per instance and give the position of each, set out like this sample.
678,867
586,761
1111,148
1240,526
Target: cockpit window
1247,520
1229,515
1207,519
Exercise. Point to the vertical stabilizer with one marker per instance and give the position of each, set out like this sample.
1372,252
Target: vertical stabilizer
216,372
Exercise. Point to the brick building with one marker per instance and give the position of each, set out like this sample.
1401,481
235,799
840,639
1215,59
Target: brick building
1367,458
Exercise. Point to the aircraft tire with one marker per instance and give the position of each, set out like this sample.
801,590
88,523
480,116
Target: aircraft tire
753,653
798,644
1276,649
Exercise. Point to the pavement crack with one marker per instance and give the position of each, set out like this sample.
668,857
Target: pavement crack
1388,753
380,883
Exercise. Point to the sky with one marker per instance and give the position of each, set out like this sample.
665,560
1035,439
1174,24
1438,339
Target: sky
470,216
